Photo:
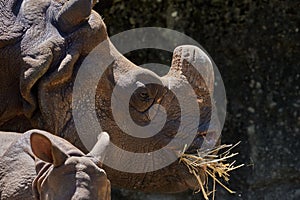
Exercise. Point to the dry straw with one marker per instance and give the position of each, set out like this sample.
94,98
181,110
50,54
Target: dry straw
214,166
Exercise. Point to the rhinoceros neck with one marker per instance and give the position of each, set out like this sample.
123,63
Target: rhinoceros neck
11,104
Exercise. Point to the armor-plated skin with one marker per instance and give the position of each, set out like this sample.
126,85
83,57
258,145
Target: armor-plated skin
43,43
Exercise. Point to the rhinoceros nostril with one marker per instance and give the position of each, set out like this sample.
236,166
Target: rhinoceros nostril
186,54
196,145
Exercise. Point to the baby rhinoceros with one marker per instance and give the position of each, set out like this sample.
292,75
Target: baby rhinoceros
38,165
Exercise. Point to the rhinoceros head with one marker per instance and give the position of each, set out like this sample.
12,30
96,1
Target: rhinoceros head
127,116
68,174
49,40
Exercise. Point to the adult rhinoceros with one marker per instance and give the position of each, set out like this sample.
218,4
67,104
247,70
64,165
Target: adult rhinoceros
39,165
43,43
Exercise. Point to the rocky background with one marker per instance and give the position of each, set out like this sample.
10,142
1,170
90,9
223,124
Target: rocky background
256,46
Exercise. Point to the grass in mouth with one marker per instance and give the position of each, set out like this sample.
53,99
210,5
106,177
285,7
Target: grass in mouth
214,165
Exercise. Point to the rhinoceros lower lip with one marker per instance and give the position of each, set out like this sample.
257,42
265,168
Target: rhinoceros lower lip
195,145
192,183
189,179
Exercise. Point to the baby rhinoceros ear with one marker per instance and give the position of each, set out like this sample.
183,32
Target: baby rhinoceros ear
45,150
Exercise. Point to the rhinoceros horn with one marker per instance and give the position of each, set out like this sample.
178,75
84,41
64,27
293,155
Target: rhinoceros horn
98,151
195,65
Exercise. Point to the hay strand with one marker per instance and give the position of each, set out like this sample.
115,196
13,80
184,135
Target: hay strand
214,165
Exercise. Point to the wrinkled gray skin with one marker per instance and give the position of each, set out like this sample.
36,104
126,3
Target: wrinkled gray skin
42,44
39,165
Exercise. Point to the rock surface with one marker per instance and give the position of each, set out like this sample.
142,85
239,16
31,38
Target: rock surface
256,46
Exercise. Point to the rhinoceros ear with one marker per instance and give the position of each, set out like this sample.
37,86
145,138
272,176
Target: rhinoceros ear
73,13
43,148
100,147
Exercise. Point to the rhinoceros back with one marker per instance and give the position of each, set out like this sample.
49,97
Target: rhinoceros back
6,139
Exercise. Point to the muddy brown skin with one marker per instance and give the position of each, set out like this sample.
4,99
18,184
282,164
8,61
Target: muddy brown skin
41,50
39,165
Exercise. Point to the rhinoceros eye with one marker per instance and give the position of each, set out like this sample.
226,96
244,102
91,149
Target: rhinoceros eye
144,95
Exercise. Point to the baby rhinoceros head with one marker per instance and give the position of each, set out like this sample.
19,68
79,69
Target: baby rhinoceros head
67,175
